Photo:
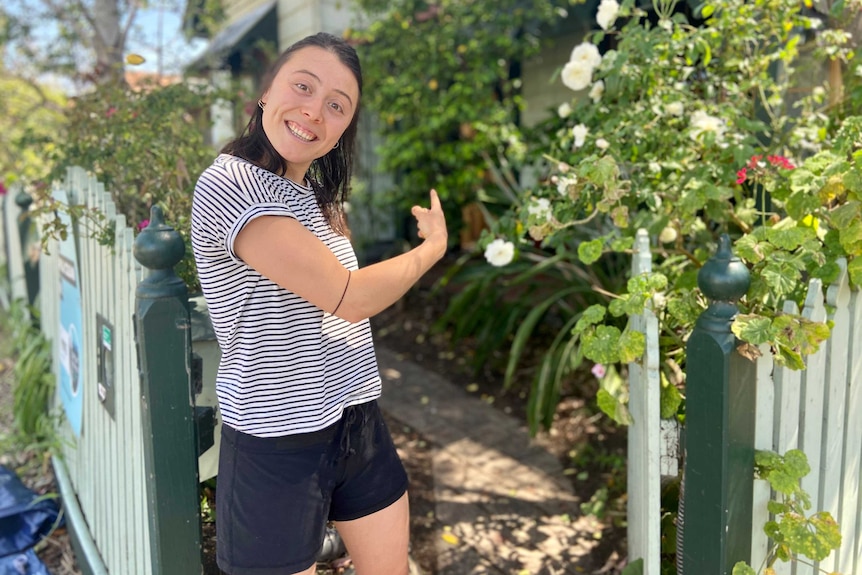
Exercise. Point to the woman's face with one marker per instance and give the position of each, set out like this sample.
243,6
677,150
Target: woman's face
310,103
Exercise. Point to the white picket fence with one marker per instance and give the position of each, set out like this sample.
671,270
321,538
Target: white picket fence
817,410
102,472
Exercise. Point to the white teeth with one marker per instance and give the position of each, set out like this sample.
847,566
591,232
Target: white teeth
301,134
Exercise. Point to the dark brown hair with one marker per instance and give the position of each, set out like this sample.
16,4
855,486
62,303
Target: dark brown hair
328,175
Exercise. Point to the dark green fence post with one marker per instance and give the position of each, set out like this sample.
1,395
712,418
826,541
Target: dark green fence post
163,333
719,428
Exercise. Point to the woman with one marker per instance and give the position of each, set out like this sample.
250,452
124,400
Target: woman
303,441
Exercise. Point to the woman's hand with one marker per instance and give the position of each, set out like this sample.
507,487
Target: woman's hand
431,222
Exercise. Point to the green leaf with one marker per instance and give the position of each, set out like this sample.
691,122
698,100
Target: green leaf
854,269
796,464
613,408
742,568
754,329
602,346
590,316
631,346
669,400
589,252
636,567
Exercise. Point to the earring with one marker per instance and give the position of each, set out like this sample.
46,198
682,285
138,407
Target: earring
261,104
338,143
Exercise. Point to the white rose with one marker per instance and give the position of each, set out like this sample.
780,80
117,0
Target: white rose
668,235
596,91
675,108
564,183
580,133
500,252
602,144
607,14
586,53
576,75
564,110
701,122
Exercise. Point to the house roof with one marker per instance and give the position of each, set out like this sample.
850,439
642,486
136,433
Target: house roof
233,34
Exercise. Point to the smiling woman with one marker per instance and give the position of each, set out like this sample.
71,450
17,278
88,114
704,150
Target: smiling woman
303,440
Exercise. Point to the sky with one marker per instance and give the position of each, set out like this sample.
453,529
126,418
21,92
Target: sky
154,27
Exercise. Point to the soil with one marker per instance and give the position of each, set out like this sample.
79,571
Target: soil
591,449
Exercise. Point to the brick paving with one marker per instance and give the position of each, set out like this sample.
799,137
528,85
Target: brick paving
503,504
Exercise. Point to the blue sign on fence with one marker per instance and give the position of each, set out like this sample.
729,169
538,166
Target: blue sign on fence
70,333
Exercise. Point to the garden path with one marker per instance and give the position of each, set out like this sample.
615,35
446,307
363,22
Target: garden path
503,503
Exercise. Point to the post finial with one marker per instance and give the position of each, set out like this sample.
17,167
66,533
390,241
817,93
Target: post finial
724,277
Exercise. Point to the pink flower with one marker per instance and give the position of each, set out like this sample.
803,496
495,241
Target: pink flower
143,224
3,189
599,370
111,111
741,175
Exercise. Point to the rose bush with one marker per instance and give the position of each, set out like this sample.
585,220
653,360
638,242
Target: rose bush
690,125
145,144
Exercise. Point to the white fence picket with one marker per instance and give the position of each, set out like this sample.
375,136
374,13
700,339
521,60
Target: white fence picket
764,438
835,388
644,451
850,514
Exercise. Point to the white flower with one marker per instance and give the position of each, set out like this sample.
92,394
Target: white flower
580,133
602,144
564,110
540,209
586,53
675,108
596,91
607,14
564,183
500,252
576,75
655,167
701,122
668,235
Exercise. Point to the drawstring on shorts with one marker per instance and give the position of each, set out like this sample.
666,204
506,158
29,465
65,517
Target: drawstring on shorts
348,420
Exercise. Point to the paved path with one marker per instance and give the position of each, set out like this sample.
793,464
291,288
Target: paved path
503,500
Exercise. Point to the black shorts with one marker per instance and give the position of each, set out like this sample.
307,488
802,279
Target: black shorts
274,495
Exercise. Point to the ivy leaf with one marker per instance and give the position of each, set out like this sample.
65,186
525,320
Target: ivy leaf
755,329
631,346
748,249
782,278
590,316
854,269
789,239
602,346
589,252
669,399
613,408
796,463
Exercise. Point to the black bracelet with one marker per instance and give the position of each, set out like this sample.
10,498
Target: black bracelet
342,293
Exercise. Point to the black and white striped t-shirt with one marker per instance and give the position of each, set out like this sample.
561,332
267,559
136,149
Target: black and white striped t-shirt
286,366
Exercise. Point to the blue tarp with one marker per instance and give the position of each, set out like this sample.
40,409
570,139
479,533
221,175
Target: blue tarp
25,519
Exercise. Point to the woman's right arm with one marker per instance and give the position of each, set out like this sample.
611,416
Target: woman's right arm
283,250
